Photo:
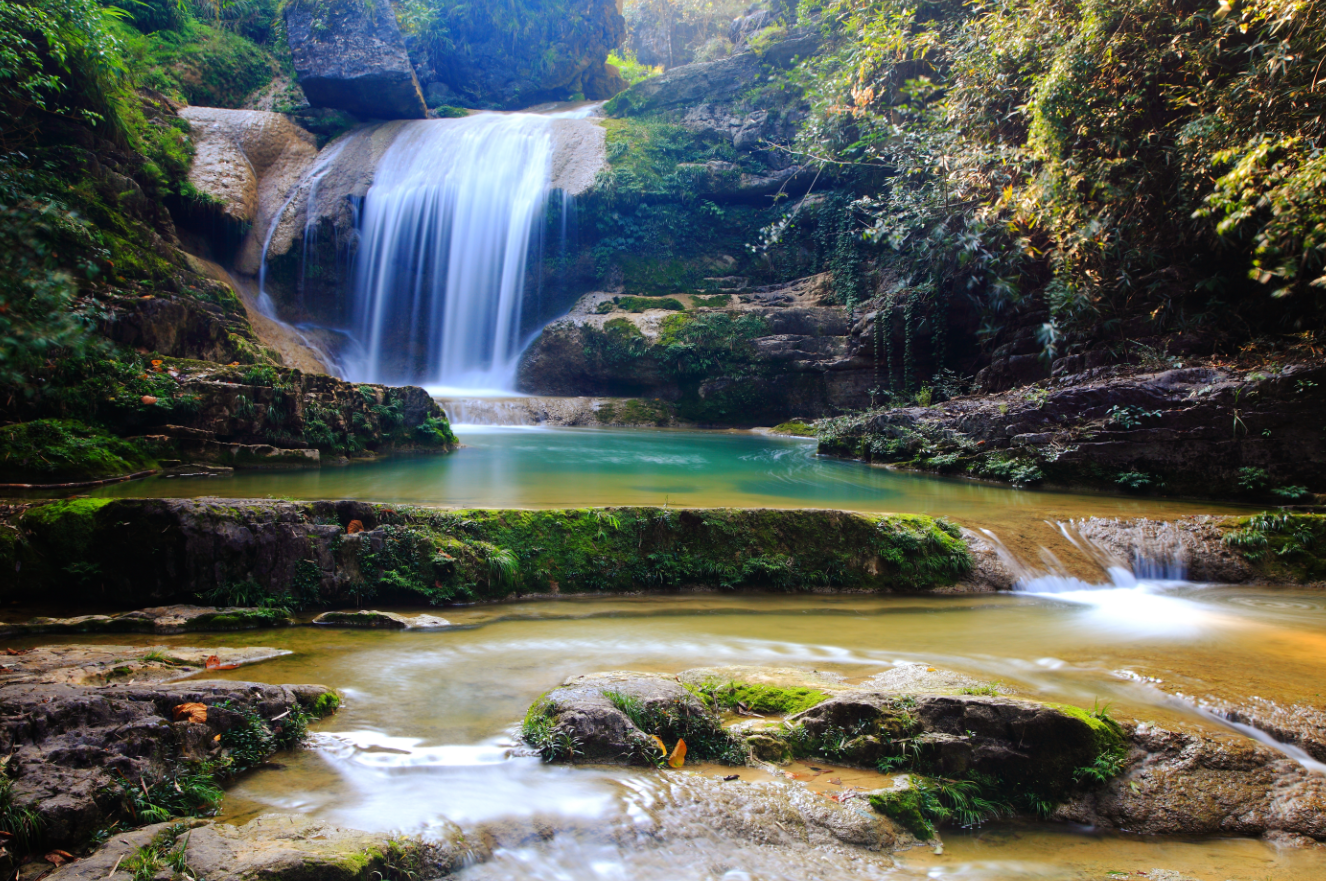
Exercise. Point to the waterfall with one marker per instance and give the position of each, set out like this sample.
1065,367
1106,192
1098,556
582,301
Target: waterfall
446,229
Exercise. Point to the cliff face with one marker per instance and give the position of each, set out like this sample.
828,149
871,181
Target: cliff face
476,58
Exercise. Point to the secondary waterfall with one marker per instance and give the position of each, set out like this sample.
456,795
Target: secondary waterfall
446,229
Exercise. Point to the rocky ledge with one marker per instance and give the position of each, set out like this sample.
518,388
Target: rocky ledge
1205,431
320,554
157,619
97,735
955,752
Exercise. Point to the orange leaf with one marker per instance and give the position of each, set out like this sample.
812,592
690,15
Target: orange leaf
149,400
355,526
678,757
213,662
196,713
662,747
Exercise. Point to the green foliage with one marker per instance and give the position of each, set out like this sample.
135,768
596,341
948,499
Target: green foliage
198,63
1155,159
1283,541
186,789
1138,481
23,824
630,68
60,451
538,731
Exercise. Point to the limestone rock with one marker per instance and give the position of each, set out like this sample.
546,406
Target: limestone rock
70,744
381,620
91,665
249,160
162,619
1188,784
351,56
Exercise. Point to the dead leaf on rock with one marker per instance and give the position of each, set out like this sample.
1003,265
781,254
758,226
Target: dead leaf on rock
354,527
191,713
17,651
662,747
678,757
58,858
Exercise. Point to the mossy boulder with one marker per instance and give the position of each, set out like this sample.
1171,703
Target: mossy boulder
627,718
374,620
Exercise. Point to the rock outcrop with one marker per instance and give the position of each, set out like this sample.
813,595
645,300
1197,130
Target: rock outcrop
711,81
374,620
800,358
351,56
159,619
74,750
1181,783
249,161
138,552
1201,430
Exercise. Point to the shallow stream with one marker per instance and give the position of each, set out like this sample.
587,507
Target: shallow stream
427,732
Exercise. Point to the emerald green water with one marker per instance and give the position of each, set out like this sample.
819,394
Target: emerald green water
556,468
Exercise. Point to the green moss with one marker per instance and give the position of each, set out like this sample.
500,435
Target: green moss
905,807
717,301
640,304
199,64
763,699
327,703
795,428
65,451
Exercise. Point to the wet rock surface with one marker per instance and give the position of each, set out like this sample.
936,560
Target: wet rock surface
587,711
93,665
71,746
375,620
351,56
1184,783
249,161
159,619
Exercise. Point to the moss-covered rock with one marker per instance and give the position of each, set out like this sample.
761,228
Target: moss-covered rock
300,555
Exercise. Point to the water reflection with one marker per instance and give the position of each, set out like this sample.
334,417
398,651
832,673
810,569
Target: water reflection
523,467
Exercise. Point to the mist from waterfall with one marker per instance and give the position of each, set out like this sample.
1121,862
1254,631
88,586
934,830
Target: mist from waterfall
446,230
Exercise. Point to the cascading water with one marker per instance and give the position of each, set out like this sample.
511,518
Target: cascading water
446,229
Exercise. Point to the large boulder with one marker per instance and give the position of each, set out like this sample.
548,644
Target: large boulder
351,56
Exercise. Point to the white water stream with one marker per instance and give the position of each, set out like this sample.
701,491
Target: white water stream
445,233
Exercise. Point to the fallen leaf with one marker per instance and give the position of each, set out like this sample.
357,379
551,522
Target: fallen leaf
149,400
191,713
17,651
213,662
662,747
790,776
216,739
354,527
678,757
